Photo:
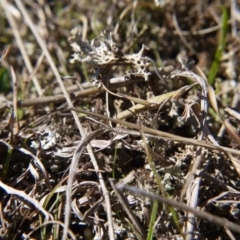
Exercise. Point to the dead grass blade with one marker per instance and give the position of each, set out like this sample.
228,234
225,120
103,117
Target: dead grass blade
153,168
20,44
201,214
157,133
179,32
231,131
151,103
192,184
212,98
58,98
72,172
38,163
134,221
35,176
3,222
42,44
47,223
46,53
5,53
226,124
203,84
15,108
24,197
233,113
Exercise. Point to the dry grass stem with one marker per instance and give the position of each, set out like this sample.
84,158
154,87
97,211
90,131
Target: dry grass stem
105,109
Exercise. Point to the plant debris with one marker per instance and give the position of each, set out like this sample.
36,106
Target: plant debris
110,127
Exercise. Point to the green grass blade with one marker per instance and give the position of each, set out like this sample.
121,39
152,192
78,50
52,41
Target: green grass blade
221,46
6,165
175,218
152,220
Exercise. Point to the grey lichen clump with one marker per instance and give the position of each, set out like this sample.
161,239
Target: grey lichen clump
103,53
